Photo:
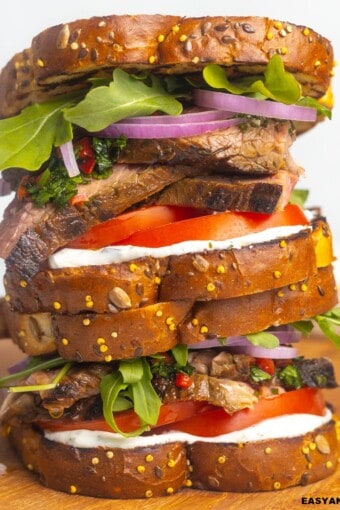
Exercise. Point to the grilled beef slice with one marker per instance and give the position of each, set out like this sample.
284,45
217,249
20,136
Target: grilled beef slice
28,235
244,149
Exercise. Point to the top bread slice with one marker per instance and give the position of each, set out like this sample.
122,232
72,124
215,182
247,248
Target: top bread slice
62,57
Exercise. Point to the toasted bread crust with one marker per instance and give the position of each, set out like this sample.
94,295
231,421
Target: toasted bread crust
161,470
63,56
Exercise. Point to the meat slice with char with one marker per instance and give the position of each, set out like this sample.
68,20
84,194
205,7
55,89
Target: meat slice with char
28,235
241,149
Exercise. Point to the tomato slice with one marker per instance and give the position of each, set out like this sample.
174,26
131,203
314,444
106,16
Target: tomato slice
203,419
164,225
214,422
114,230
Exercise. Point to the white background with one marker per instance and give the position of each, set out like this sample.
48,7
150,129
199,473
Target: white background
318,151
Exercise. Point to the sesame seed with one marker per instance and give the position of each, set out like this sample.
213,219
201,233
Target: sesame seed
172,327
161,38
108,358
312,446
303,287
169,320
73,489
305,450
292,286
149,458
157,280
114,334
148,493
74,46
220,269
102,24
283,244
268,450
23,283
140,469
103,348
278,25
195,60
269,36
277,485
175,28
194,322
183,38
132,268
89,304
95,461
40,63
30,467
283,50
64,341
169,490
277,274
204,329
221,459
152,59
211,287
317,63
280,293
7,298
86,322
88,298
188,483
159,313
306,31
109,454
289,29
329,464
101,340
283,33
171,463
56,305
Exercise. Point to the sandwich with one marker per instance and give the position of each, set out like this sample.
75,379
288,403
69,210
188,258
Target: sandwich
160,268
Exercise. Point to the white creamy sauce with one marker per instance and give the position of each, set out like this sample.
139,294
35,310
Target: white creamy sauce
70,257
292,425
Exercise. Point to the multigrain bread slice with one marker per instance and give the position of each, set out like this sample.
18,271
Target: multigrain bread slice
160,470
62,56
215,274
158,327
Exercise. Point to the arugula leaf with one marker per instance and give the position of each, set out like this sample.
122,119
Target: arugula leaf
146,401
314,103
326,321
42,387
124,97
180,353
290,376
35,364
299,197
263,339
258,375
132,383
26,140
275,83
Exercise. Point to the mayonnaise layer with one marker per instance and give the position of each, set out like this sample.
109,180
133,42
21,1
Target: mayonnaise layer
291,425
70,257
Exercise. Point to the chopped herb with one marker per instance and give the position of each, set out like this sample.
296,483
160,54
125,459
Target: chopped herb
290,377
258,375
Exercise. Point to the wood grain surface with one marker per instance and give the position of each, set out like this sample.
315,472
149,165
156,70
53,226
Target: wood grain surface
20,489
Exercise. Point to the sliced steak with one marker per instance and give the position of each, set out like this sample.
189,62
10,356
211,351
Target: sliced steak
219,193
241,149
28,235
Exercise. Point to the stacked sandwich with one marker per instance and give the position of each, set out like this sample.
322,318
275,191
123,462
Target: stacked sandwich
158,267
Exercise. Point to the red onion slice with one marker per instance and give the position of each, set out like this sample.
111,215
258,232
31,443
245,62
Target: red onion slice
69,158
184,118
252,106
148,131
281,352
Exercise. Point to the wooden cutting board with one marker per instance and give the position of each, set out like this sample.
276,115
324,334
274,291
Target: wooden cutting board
19,489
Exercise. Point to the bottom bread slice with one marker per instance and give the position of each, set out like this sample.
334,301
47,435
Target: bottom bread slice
163,469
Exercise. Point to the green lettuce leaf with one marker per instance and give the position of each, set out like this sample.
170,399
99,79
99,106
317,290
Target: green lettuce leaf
276,83
263,339
26,141
124,97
